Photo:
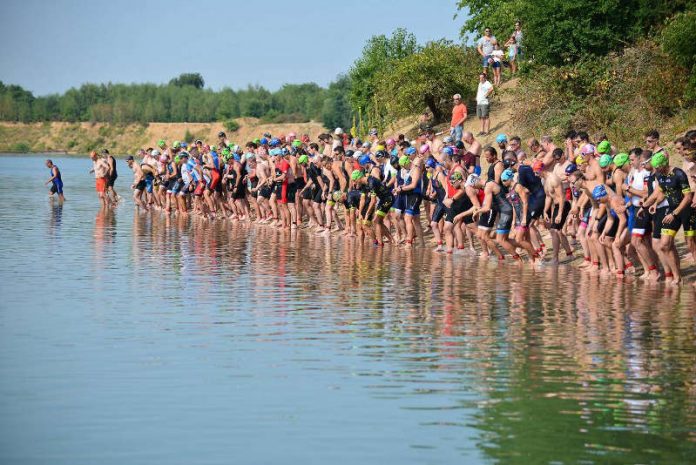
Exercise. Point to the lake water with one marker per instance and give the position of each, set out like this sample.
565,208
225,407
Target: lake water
131,338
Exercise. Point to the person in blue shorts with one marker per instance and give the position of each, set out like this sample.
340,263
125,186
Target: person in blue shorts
56,180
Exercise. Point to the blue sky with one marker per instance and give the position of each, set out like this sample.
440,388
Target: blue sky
51,46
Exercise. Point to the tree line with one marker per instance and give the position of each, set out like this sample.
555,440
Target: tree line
183,99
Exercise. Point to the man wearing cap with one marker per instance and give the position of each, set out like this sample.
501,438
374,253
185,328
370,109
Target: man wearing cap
458,118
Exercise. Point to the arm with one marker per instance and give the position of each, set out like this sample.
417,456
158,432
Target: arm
524,200
54,173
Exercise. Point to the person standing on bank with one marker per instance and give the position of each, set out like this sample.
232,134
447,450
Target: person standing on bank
458,118
485,89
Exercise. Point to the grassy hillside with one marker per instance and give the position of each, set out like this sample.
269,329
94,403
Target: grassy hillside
126,139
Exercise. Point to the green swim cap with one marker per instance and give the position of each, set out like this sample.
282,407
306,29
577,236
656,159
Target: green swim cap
620,159
404,160
177,159
604,147
213,148
355,175
659,160
257,141
303,160
225,152
297,143
176,144
605,160
161,143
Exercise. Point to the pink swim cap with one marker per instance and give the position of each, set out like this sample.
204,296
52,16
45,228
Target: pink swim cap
588,149
424,148
391,142
163,159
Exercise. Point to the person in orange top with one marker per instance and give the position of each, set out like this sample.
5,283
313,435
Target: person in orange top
458,118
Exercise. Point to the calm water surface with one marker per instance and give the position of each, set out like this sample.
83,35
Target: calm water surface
132,338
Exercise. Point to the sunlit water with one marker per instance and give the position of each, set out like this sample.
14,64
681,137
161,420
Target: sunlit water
130,338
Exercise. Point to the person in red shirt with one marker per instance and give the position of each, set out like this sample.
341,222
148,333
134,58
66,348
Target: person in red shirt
282,177
458,118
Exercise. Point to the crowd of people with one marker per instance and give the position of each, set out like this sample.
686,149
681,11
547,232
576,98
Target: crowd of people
622,210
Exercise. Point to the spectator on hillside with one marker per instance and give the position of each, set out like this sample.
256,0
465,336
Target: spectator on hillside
497,54
485,47
485,89
518,35
512,53
458,118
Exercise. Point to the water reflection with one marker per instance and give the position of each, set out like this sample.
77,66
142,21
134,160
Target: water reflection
559,366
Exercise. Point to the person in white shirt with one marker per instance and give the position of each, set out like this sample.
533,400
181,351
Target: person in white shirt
497,54
484,46
485,89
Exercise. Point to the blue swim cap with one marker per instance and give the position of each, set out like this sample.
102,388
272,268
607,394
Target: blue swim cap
236,157
364,160
263,141
284,151
274,142
430,163
410,151
448,151
275,152
500,138
599,192
507,175
570,169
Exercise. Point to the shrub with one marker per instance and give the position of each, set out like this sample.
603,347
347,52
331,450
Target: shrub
231,125
20,147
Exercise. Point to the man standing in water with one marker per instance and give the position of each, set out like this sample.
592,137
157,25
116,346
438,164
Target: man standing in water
100,168
111,178
57,187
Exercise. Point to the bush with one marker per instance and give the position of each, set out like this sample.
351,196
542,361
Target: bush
678,41
20,147
231,125
621,95
188,136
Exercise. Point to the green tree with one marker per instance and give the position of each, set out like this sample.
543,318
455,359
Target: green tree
428,79
380,54
336,110
188,79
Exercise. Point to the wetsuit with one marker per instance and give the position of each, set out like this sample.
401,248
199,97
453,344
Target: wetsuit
504,207
440,210
385,198
414,197
675,185
111,179
536,197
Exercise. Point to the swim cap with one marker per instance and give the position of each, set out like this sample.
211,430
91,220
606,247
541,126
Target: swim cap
176,144
237,157
448,151
275,152
579,160
410,151
381,154
292,135
538,166
456,176
155,153
297,143
605,160
183,154
367,144
177,159
507,175
356,174
659,160
184,145
263,141
604,147
394,161
620,159
274,142
500,138
364,160
430,163
212,148
225,152
599,192
472,180
257,141
248,155
303,160
424,149
161,143
284,151
570,169
380,147
357,154
588,149
404,160
391,142
163,159
349,153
